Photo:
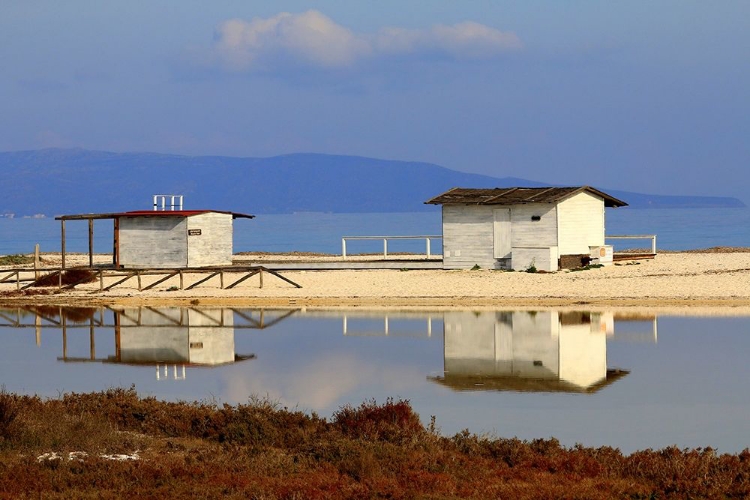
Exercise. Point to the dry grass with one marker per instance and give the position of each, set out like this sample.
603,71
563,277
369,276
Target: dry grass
16,260
69,277
257,450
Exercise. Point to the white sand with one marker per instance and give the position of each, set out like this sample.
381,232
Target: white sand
676,279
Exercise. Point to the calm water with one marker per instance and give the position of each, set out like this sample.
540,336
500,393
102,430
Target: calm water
676,229
593,378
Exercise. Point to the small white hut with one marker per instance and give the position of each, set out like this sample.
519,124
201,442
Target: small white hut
166,239
515,228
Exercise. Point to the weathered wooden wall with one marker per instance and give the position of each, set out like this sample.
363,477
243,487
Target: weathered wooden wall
468,237
531,233
469,233
213,246
153,242
580,223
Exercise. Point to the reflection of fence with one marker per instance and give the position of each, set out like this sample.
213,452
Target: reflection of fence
385,239
44,317
651,237
649,335
387,328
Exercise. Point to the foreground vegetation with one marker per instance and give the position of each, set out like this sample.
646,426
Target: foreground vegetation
115,444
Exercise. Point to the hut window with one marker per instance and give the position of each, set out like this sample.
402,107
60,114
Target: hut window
538,363
536,218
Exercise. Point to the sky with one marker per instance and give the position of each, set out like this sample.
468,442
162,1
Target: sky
643,96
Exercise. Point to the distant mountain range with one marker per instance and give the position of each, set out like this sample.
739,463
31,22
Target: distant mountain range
69,181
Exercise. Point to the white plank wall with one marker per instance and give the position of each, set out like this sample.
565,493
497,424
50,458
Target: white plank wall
468,237
580,223
534,234
153,242
213,247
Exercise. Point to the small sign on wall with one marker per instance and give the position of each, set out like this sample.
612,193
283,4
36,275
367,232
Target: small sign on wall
194,232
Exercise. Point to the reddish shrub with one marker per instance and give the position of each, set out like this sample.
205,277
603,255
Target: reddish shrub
392,421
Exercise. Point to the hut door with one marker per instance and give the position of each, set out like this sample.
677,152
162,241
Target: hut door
502,233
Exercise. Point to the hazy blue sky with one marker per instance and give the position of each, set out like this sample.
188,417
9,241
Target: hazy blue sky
650,96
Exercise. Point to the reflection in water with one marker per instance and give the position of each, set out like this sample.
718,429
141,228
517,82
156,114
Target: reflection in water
508,372
166,338
545,351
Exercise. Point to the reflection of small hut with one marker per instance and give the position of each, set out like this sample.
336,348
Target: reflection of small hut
514,228
176,336
167,238
527,351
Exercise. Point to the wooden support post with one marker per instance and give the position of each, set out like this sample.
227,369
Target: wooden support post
91,242
138,275
221,280
261,277
182,282
116,244
101,280
62,242
36,262
59,280
18,280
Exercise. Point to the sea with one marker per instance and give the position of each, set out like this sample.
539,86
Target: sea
675,229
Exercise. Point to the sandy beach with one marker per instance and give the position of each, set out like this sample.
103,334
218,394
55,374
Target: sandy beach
690,280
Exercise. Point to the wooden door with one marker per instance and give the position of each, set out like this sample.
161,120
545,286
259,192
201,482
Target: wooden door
502,233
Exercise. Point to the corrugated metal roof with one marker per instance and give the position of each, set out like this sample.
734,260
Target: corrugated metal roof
152,213
518,196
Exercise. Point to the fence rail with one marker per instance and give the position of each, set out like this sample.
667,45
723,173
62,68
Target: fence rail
651,237
427,238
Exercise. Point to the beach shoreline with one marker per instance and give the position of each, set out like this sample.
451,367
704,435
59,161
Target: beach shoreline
684,281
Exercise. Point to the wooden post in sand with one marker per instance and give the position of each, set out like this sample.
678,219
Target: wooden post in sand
62,242
36,261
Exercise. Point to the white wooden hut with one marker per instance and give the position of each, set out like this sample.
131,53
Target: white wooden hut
515,228
166,239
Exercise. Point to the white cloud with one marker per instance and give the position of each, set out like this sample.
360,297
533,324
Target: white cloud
314,40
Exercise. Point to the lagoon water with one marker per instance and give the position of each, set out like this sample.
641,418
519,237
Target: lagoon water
676,229
633,382
681,380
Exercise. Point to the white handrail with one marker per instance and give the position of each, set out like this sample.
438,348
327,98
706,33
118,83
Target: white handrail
651,237
385,239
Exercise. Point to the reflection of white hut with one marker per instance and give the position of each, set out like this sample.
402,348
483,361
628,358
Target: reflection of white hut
175,336
513,228
527,351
